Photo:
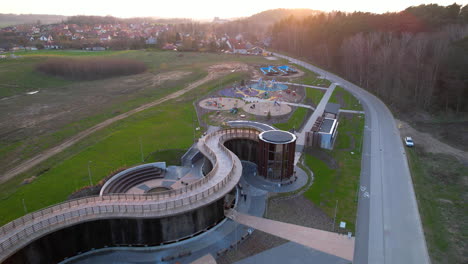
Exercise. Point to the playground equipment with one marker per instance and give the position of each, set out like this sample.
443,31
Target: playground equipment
214,104
286,70
234,110
269,86
270,70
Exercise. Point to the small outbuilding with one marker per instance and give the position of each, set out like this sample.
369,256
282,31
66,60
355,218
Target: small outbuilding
332,110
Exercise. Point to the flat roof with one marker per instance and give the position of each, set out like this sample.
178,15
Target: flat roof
332,108
327,125
277,136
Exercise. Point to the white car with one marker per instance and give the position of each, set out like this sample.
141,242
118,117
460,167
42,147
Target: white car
409,142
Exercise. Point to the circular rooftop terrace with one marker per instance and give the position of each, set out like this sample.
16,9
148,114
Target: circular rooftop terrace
277,137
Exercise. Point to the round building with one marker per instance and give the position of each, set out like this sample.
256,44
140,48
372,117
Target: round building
276,151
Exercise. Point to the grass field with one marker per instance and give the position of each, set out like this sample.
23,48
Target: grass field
311,78
295,121
168,126
18,76
340,183
314,95
345,99
30,146
440,186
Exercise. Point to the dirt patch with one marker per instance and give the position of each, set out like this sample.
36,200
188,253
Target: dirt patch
263,108
221,103
299,211
173,75
430,143
452,133
28,180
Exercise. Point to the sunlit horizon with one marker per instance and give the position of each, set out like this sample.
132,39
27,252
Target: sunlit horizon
202,9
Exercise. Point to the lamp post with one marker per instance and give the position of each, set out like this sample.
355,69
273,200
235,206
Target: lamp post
24,207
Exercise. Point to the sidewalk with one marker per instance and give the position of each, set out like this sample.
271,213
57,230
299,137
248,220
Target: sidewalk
308,126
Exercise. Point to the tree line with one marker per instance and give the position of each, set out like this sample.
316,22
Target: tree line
414,58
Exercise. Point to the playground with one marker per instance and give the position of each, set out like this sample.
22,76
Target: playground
261,98
264,90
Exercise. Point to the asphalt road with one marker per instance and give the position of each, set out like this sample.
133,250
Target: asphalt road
389,228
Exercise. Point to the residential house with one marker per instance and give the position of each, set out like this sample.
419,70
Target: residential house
151,41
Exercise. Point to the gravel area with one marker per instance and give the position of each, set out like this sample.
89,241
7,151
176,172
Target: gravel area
299,211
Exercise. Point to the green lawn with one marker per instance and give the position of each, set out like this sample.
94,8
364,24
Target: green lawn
440,186
19,76
311,78
167,126
315,95
170,156
340,184
345,99
295,121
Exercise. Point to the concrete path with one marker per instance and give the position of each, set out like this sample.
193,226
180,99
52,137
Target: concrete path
389,228
299,84
299,105
351,111
258,100
308,126
305,85
207,259
328,242
292,253
249,172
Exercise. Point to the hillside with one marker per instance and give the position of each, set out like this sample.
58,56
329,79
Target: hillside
269,17
12,19
257,26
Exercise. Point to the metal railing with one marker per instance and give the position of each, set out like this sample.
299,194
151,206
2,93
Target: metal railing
35,224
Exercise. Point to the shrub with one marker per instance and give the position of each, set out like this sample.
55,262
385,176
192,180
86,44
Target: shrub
90,68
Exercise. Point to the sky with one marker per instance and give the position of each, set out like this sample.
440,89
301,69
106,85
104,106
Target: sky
201,9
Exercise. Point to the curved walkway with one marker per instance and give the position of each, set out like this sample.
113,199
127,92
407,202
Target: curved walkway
389,228
217,183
